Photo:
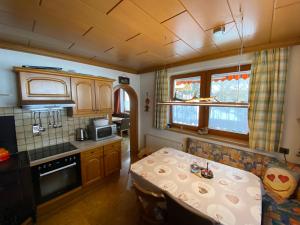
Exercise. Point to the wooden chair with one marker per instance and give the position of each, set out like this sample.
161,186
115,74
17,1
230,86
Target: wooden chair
179,213
123,125
152,205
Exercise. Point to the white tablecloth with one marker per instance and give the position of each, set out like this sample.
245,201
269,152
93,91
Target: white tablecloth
232,197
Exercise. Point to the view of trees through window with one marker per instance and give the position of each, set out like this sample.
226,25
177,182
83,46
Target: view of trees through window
124,101
225,87
232,87
185,89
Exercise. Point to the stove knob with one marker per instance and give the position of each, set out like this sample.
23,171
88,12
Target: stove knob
39,168
49,165
44,166
66,160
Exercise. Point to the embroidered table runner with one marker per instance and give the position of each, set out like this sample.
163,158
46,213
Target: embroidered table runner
232,197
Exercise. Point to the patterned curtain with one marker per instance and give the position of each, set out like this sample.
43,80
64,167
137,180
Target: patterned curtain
266,98
161,95
117,108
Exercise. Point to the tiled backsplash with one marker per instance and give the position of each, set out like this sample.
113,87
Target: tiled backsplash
25,138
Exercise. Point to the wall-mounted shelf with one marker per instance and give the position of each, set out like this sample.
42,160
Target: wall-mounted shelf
206,103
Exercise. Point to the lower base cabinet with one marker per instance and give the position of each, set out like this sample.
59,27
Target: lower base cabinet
100,162
112,158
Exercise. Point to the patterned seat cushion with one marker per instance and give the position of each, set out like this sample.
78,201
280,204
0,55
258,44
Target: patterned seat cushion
249,161
285,213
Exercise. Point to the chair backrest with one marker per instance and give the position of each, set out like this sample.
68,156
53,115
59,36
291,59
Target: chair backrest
125,124
148,195
179,213
149,201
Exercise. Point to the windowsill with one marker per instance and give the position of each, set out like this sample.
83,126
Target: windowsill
232,141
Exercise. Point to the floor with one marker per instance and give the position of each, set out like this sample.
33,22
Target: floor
111,203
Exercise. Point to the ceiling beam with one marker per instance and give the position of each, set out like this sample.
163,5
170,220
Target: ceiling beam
39,51
222,55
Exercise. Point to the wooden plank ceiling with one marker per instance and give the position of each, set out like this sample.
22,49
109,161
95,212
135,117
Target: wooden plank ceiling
141,34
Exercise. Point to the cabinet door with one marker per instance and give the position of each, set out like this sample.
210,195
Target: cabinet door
103,96
92,168
112,158
83,93
36,86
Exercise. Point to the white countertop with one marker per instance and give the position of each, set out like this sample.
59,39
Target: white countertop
81,147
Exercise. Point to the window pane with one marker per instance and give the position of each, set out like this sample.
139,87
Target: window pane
229,119
187,88
187,115
231,87
126,102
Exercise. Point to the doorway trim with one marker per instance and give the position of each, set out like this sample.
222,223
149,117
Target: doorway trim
134,118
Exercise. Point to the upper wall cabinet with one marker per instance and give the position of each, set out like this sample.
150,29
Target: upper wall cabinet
92,95
103,96
36,86
83,93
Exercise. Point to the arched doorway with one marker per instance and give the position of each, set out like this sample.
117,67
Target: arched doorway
133,119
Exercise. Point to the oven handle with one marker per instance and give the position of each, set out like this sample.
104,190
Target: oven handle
58,169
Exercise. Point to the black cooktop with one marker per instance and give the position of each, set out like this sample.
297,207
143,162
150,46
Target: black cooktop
48,151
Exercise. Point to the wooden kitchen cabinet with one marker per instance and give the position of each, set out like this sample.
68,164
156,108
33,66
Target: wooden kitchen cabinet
83,94
100,162
112,158
38,86
92,168
92,97
103,92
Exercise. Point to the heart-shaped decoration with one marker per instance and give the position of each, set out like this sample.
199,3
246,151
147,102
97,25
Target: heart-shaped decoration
161,170
283,178
271,177
202,190
232,198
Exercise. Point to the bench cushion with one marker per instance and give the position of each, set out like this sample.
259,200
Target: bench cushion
285,213
246,160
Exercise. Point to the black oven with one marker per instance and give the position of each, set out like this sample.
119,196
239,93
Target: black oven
56,177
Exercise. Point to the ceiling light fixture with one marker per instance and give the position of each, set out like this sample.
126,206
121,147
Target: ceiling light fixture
219,30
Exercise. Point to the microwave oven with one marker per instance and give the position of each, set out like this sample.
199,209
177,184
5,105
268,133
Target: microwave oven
98,133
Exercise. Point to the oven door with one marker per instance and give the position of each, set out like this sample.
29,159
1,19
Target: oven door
55,182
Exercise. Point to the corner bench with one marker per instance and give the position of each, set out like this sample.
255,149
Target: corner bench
285,213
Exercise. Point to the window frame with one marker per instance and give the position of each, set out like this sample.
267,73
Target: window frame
202,93
205,86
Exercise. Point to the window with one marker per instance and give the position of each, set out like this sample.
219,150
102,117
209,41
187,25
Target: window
226,85
185,89
124,101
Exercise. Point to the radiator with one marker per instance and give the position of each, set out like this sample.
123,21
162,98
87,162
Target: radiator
154,143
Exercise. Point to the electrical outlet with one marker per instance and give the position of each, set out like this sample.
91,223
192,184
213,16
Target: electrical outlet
284,150
298,154
35,129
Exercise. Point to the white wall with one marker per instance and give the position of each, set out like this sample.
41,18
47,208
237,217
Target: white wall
291,134
291,127
9,59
